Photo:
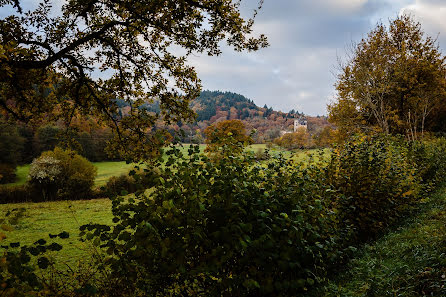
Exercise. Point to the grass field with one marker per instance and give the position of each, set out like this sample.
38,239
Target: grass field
42,219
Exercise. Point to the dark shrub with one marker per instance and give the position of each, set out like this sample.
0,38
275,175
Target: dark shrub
231,226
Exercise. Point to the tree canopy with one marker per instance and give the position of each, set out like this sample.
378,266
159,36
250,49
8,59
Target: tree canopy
57,65
394,81
226,137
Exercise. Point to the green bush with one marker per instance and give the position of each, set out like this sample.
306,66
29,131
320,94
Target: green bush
62,174
231,226
18,194
7,173
11,145
429,157
375,181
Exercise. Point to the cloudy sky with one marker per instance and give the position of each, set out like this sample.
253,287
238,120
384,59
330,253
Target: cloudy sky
306,37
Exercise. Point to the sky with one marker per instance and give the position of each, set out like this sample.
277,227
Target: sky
298,69
307,37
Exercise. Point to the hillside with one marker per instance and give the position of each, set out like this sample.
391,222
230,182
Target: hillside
215,106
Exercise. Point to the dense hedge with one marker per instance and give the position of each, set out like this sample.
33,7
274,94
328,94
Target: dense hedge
240,227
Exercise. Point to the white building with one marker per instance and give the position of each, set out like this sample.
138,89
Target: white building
300,123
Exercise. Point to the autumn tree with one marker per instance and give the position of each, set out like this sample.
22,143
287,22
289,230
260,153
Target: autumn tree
50,61
297,140
394,80
325,137
226,137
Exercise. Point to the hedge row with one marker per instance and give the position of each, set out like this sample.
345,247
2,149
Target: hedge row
235,226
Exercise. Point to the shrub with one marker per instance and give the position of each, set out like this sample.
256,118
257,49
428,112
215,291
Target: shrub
429,157
62,174
11,145
7,173
224,226
375,181
17,194
128,183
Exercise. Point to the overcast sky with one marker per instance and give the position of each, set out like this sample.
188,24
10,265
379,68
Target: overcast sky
306,36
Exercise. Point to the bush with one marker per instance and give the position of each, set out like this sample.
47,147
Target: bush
11,145
18,194
62,174
221,227
7,173
375,181
429,157
135,180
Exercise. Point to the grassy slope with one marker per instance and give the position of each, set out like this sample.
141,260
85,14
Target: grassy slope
409,261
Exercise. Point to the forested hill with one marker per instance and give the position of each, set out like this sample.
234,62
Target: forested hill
210,102
216,106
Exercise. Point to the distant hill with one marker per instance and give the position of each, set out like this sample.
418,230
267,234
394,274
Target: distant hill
214,106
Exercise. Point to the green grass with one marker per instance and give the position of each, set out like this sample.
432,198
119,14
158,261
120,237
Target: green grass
41,219
409,261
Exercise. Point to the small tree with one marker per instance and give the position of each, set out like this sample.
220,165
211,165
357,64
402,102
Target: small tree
298,140
62,174
227,137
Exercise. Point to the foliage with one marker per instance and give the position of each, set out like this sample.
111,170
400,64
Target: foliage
376,182
325,137
11,145
131,182
395,81
47,59
61,174
226,137
297,140
231,226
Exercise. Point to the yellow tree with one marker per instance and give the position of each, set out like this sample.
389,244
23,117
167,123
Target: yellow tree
226,137
300,139
393,81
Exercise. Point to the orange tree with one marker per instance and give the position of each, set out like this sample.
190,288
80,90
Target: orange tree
299,139
227,136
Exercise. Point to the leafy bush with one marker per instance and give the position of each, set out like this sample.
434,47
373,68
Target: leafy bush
375,181
11,145
231,226
429,157
62,174
7,173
